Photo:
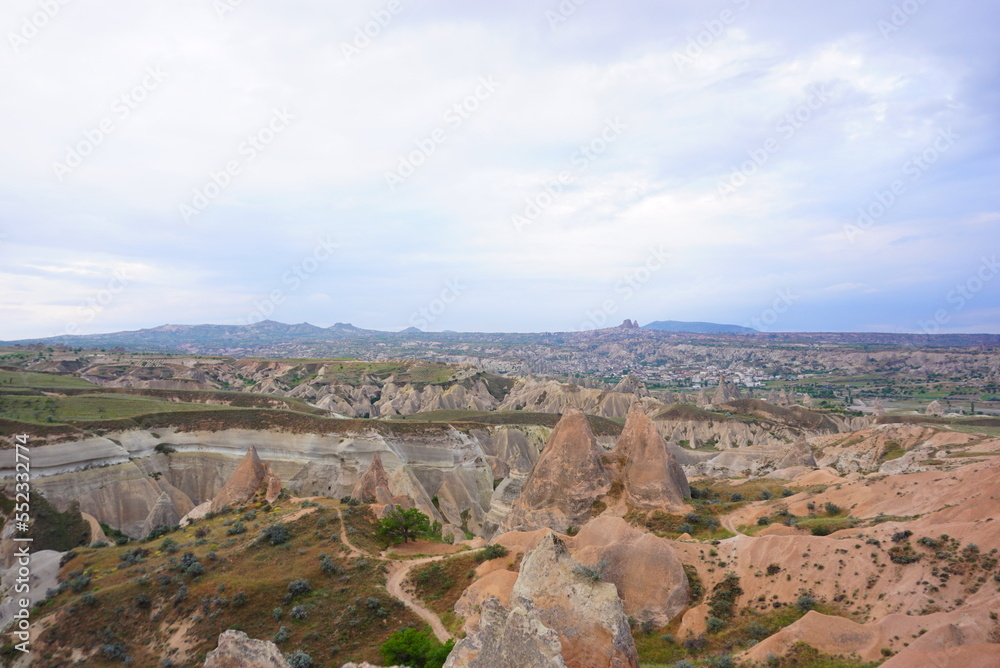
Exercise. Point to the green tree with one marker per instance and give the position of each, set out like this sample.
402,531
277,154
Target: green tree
403,524
417,649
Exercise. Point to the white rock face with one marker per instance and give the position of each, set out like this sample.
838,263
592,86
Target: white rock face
120,479
237,650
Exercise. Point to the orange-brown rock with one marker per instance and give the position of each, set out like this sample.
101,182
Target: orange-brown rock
645,569
245,482
374,477
565,480
650,473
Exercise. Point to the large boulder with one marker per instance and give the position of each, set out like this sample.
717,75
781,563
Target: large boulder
509,637
565,480
585,612
646,570
651,474
237,650
374,477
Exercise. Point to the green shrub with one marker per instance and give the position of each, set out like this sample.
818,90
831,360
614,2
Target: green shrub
276,534
299,659
805,603
299,587
415,649
490,552
714,624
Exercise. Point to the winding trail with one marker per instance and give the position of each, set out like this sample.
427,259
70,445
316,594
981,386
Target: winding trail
355,552
727,523
398,570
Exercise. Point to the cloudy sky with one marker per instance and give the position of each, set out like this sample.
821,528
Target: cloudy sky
516,166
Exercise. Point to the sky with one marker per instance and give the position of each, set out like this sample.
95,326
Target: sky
483,166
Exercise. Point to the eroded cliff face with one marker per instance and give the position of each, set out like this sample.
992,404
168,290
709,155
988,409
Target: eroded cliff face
129,479
554,397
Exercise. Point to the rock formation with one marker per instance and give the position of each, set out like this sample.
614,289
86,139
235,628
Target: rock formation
630,384
935,408
163,514
366,490
800,454
587,615
566,479
725,393
554,397
509,637
650,474
237,650
645,569
245,482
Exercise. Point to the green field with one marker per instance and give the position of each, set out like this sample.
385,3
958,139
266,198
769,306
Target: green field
41,381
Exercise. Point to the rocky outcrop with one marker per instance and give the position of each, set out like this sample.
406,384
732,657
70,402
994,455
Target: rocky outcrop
509,637
935,408
237,650
366,491
555,397
645,569
163,515
587,615
245,482
800,454
501,503
630,384
883,445
565,481
725,393
651,476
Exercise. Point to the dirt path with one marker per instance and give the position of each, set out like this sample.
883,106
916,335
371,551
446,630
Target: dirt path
727,524
398,570
355,552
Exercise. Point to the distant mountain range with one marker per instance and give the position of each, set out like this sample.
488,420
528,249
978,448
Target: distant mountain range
698,327
541,352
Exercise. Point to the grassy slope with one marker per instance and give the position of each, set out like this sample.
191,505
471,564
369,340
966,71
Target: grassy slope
349,614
